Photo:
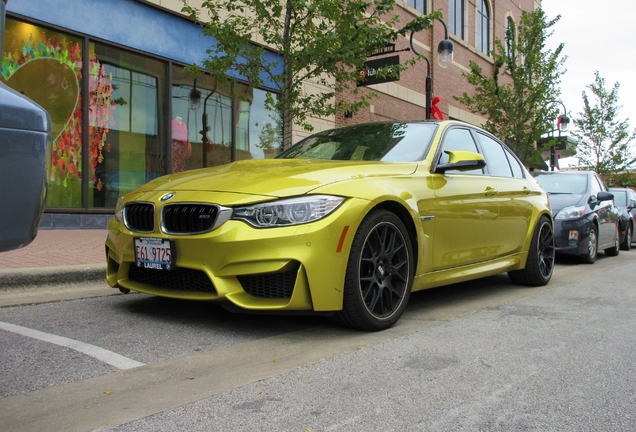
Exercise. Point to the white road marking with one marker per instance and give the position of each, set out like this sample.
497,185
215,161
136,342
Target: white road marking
109,357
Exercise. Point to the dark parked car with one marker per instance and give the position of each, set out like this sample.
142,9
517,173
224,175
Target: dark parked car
625,200
585,216
25,157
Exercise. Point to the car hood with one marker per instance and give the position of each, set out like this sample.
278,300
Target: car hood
275,177
560,201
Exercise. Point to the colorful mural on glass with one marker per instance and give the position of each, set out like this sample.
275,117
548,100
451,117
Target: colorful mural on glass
49,71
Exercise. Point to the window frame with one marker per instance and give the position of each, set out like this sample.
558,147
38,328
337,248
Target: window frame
457,21
483,27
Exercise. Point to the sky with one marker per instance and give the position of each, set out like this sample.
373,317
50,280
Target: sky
598,35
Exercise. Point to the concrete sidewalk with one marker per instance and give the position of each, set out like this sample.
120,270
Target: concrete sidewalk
56,257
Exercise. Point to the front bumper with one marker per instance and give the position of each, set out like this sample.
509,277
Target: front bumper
299,268
571,236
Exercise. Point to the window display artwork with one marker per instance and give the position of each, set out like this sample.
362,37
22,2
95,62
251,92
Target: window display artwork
47,67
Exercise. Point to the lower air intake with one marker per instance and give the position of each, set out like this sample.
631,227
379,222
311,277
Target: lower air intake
180,279
270,285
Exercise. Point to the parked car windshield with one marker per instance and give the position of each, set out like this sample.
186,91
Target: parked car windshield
562,183
389,142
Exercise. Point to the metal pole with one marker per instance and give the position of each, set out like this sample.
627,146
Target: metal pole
429,80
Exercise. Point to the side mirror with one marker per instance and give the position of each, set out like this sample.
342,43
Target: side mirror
604,196
461,160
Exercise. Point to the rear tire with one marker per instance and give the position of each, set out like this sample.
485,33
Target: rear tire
613,251
379,274
540,262
627,241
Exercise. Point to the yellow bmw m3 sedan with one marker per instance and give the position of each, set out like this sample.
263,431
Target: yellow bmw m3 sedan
346,223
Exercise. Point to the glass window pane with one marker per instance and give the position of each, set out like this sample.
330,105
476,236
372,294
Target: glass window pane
258,130
214,110
496,159
456,12
46,66
419,5
458,139
483,27
126,143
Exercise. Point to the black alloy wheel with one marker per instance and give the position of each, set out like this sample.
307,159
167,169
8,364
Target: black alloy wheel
379,274
540,263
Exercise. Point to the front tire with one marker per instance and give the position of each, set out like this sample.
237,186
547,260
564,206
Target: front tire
540,262
379,274
592,248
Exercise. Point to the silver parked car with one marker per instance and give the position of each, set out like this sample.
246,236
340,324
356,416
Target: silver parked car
25,158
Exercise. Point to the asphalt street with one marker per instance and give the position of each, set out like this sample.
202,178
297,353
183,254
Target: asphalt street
484,355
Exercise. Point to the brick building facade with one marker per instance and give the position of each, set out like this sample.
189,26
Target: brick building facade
405,99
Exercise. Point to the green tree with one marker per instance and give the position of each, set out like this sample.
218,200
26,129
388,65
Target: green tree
519,99
321,41
604,141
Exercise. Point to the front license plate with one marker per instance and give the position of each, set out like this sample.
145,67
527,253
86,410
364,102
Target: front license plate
154,253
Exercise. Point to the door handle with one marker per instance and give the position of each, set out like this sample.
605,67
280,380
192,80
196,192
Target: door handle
526,191
490,192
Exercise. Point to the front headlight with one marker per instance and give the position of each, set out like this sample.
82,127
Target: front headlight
287,212
119,209
573,212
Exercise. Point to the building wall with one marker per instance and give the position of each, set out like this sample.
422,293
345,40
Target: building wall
406,99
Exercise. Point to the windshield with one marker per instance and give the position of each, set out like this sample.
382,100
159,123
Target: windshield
388,142
563,183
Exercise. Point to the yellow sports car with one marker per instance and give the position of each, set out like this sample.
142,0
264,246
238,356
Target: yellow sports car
347,223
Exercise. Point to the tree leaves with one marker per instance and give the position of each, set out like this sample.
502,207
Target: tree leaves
521,97
324,42
604,141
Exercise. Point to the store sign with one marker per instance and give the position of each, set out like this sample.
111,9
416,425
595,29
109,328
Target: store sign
369,74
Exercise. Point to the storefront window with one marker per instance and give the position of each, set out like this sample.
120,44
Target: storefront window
214,109
46,66
258,130
128,116
126,141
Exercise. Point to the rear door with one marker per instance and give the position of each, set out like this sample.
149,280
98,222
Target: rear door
514,198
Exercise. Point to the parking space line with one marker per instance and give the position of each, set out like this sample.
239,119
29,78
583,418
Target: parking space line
103,355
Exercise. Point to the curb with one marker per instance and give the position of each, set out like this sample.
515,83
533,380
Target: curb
47,276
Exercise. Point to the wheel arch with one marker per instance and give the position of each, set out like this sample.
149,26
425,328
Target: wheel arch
405,216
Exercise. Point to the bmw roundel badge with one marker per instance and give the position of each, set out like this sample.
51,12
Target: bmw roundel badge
167,196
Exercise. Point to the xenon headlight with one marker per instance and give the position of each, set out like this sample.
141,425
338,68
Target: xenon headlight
572,212
287,212
119,209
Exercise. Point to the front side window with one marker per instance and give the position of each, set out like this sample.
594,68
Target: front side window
456,12
458,139
483,27
419,5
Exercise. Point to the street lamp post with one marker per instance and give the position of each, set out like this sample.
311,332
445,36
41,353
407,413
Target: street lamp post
195,99
563,121
444,59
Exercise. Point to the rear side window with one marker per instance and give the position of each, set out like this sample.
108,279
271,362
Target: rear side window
496,158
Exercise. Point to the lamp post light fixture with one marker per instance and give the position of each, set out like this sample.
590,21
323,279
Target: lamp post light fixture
444,59
195,97
563,121
195,102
